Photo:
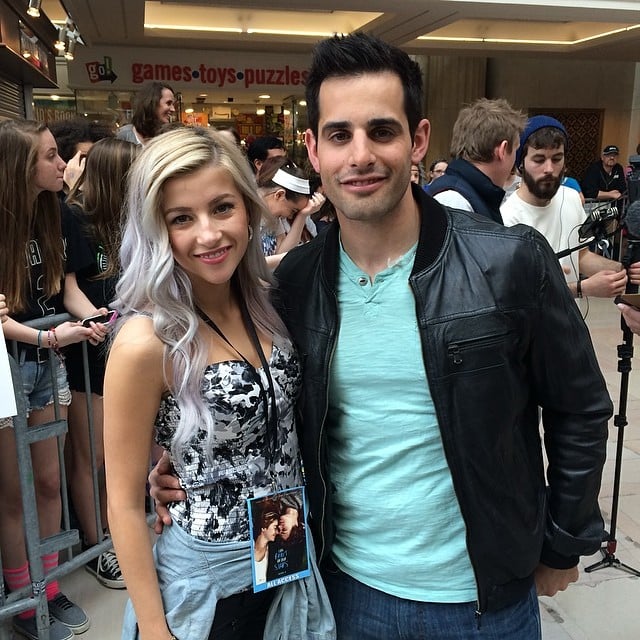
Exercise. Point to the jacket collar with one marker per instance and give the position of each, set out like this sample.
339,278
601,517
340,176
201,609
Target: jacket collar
433,230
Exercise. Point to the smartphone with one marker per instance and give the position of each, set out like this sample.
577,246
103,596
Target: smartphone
104,318
632,299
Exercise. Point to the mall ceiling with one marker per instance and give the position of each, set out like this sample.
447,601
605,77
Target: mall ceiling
585,29
588,29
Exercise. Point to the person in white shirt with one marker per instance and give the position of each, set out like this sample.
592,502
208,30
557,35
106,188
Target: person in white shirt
556,211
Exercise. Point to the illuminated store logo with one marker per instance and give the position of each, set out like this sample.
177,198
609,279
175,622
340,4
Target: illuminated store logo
101,71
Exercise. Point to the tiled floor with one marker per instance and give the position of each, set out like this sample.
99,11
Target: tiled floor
603,605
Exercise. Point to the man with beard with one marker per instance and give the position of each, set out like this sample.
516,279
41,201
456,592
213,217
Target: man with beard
556,211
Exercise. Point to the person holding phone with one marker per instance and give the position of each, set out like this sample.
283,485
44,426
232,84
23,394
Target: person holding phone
94,207
201,363
630,310
31,175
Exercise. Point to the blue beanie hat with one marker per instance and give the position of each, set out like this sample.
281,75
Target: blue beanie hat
535,124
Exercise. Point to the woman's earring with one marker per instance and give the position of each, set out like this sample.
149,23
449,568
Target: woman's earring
250,234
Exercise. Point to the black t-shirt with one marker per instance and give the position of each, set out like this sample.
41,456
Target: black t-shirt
597,179
38,304
89,257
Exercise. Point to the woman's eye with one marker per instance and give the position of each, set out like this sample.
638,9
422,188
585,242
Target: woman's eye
225,207
181,219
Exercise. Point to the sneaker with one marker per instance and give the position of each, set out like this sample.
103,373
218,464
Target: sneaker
27,628
70,614
106,569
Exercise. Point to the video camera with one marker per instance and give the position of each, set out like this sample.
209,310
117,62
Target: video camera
599,215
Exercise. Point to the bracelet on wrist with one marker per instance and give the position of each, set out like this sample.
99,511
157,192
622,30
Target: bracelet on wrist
53,342
579,288
39,338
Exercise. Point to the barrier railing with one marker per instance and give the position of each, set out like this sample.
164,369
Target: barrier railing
34,596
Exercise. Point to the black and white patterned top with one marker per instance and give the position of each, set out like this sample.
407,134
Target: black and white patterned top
216,509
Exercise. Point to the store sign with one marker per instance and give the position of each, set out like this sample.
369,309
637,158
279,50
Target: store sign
129,68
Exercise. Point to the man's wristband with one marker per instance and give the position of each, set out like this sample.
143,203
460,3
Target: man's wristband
579,288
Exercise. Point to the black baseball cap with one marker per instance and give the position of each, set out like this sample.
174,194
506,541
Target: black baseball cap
610,150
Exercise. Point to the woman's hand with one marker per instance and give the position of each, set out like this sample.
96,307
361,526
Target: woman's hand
4,311
74,169
69,333
315,204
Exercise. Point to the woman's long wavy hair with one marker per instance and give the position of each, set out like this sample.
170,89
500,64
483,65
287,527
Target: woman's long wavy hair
26,216
145,118
100,193
153,282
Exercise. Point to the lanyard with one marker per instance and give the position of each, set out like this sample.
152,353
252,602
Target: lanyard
267,396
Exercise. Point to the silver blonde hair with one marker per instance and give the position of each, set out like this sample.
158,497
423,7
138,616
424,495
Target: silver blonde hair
154,283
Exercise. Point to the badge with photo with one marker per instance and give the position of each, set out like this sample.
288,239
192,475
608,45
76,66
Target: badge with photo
280,552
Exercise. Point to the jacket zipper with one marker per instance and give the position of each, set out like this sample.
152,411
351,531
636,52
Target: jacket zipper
457,349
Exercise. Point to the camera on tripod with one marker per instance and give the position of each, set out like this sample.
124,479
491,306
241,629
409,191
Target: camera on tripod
599,215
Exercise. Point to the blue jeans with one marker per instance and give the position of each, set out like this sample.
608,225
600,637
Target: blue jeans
363,613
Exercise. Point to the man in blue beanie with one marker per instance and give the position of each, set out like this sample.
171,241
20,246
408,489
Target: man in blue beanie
556,211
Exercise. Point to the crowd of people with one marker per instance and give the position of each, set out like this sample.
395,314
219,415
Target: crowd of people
350,375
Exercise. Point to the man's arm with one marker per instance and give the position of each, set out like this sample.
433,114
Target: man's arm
576,408
605,278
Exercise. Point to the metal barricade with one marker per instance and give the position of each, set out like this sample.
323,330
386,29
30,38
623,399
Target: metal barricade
34,596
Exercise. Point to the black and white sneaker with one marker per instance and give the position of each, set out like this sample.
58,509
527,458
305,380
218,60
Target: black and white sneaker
106,569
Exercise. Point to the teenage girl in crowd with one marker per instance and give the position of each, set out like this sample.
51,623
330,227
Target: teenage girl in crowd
202,364
285,191
95,206
31,174
154,108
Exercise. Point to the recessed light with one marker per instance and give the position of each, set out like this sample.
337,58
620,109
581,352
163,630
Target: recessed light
264,96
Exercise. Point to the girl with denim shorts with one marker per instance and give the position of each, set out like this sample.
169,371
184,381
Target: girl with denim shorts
32,273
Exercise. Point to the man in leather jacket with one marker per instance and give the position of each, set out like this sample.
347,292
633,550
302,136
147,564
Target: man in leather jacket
429,338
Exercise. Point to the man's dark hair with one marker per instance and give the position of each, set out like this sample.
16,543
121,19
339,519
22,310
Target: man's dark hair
545,138
144,118
69,133
259,148
356,54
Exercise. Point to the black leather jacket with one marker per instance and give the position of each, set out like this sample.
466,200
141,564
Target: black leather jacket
501,335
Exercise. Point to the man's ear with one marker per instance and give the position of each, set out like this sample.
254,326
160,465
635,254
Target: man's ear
420,141
311,143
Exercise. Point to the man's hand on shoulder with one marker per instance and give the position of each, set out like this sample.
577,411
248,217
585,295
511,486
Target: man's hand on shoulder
164,488
549,581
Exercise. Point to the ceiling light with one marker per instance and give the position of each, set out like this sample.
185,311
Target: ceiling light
59,43
289,32
55,97
286,112
188,27
189,110
260,112
264,96
70,49
34,8
303,103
